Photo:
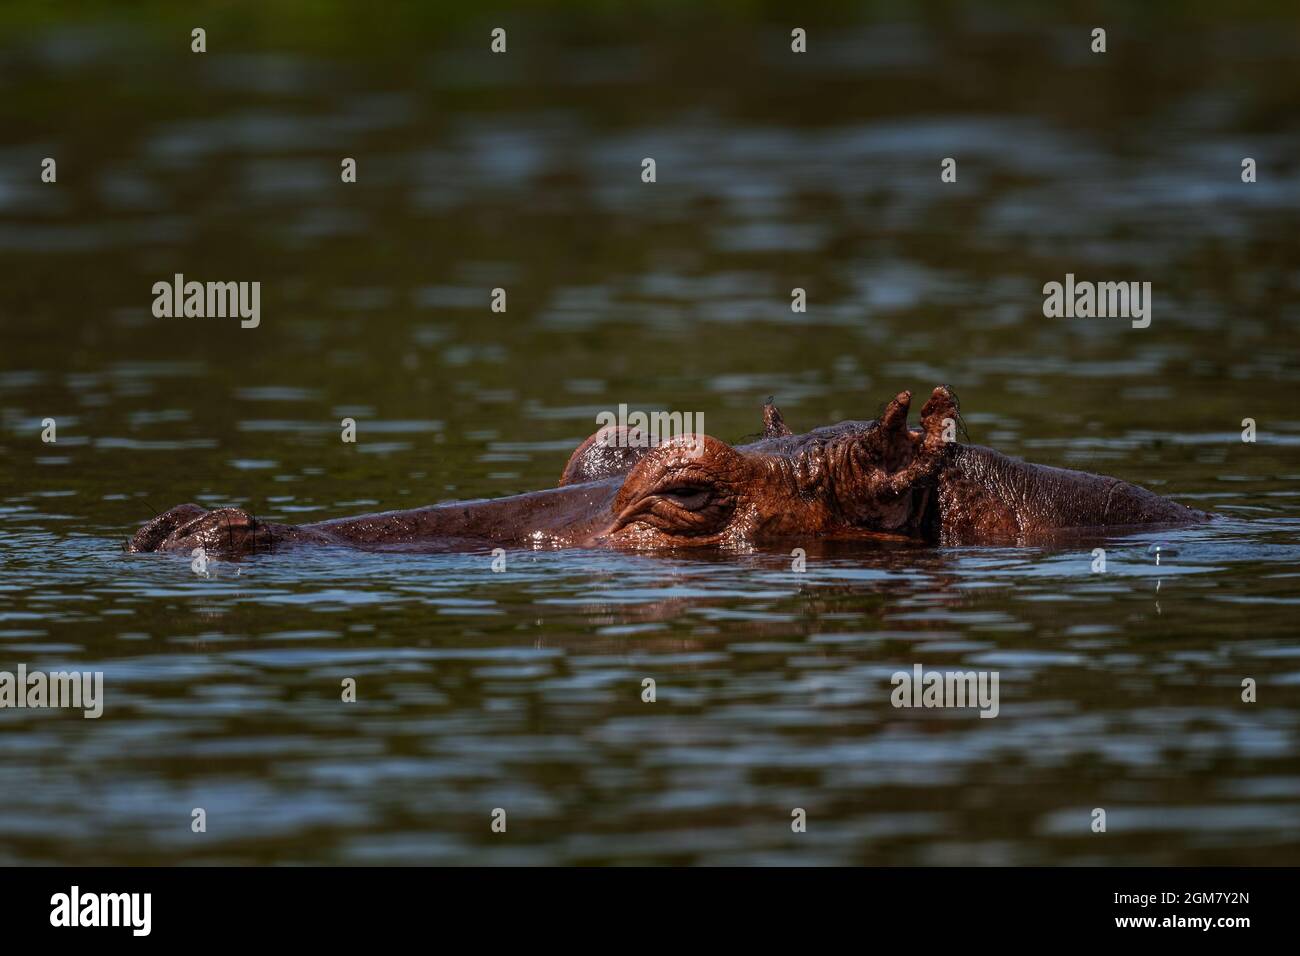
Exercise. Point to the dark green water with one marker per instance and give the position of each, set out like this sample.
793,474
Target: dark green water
522,690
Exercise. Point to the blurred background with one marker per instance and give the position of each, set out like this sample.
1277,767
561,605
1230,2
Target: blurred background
522,170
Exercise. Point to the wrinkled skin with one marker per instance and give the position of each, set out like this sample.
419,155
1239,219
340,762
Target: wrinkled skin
871,480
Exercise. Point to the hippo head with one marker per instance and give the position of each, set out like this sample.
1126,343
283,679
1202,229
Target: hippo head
857,479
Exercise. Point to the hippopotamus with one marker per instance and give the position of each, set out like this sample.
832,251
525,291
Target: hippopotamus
877,480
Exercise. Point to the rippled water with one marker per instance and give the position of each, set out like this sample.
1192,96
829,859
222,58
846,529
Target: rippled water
522,689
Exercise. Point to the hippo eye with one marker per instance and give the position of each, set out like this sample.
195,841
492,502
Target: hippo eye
690,497
685,506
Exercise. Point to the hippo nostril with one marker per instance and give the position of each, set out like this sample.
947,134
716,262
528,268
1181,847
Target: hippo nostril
155,534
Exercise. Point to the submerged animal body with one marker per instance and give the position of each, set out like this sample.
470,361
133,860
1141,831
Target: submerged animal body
868,480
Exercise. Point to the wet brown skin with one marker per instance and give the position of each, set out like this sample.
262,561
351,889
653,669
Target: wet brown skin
861,479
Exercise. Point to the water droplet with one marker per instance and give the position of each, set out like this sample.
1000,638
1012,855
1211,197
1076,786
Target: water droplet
1161,549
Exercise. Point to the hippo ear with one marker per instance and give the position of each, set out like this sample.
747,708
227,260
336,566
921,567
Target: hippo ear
611,452
774,425
892,457
937,412
931,444
891,469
